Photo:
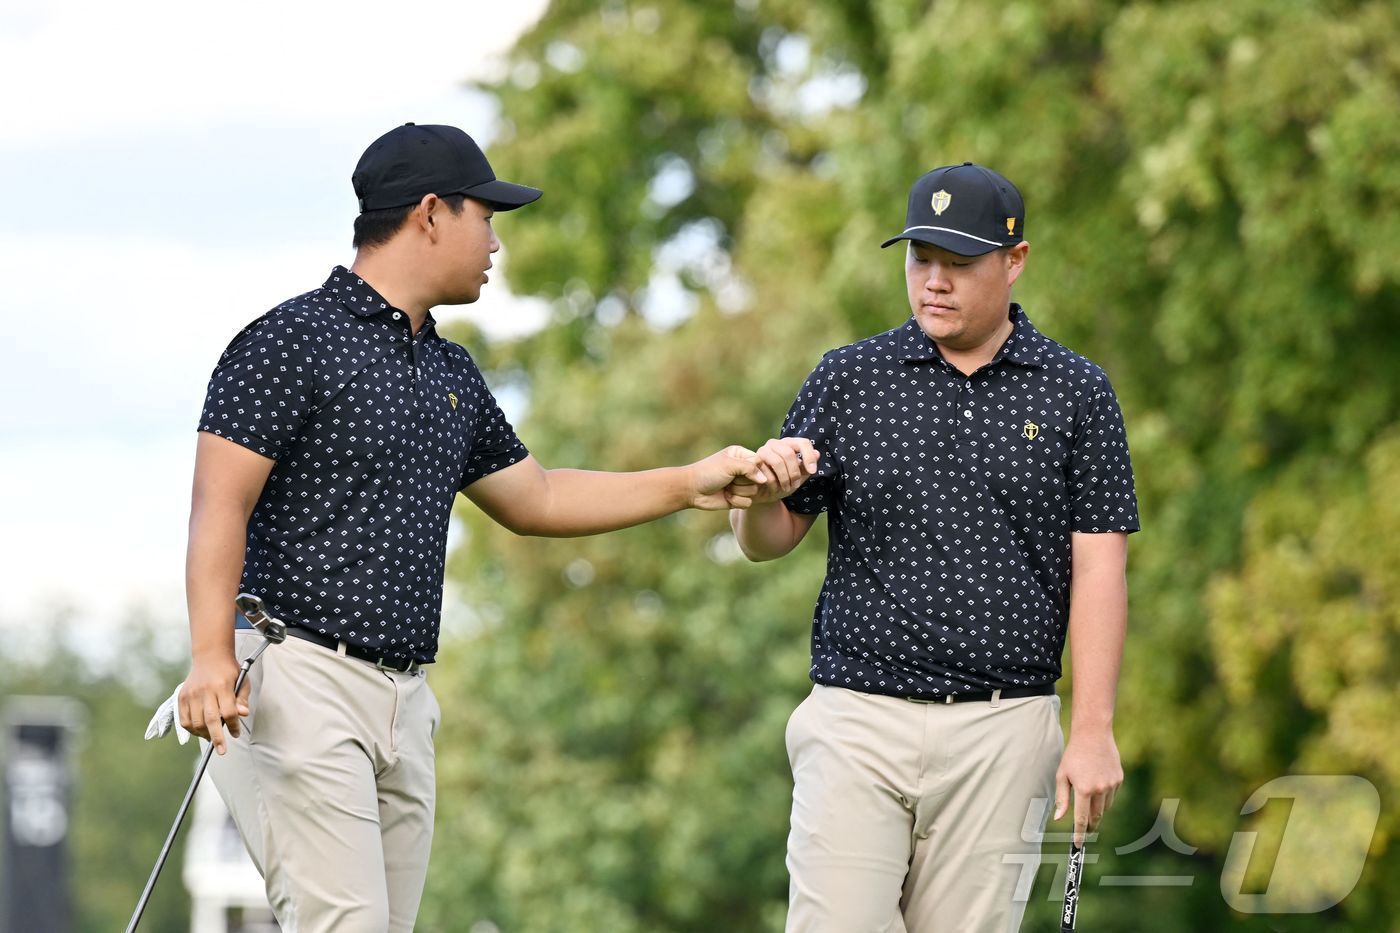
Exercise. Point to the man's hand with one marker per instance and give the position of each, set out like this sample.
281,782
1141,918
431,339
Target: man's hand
207,702
789,461
1091,771
712,479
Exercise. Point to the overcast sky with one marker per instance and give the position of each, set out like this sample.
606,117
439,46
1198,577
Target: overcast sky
169,171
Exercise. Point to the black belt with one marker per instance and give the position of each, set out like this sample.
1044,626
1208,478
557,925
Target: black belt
402,665
985,696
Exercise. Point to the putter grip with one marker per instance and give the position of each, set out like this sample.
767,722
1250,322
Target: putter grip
1074,874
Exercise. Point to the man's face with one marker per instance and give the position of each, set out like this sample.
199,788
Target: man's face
961,301
467,241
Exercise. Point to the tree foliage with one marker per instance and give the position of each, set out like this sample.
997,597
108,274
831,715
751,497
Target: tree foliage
1212,193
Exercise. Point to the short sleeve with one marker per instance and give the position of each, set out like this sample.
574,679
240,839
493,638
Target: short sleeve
261,392
812,416
494,445
1101,473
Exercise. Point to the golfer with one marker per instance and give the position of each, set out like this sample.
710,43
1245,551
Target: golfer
976,478
336,432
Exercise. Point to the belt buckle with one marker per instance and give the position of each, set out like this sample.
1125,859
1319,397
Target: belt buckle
407,666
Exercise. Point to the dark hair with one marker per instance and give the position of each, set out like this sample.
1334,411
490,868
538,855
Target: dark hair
375,228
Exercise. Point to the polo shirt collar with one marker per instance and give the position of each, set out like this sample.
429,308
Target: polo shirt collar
356,295
1023,347
1025,344
914,344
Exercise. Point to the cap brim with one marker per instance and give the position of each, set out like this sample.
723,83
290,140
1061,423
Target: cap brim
963,244
503,195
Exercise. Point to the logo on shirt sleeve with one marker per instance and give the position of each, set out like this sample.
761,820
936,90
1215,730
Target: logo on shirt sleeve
452,398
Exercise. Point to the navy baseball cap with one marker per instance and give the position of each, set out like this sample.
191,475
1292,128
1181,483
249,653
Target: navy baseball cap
966,209
409,161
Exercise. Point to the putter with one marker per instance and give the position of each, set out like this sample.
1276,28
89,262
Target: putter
1073,875
274,632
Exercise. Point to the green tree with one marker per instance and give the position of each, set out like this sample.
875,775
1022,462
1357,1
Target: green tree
1211,195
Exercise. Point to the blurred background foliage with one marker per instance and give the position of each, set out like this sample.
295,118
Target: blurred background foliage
125,792
1213,195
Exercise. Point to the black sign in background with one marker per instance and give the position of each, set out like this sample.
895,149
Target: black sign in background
37,813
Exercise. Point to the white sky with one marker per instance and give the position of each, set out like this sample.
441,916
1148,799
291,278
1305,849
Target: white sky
168,171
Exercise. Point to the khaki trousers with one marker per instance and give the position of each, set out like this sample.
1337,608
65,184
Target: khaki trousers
903,813
332,787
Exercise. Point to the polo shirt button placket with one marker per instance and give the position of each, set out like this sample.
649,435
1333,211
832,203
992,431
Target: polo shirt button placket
966,446
412,352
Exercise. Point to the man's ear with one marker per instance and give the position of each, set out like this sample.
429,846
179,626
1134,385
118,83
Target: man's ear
1016,262
423,213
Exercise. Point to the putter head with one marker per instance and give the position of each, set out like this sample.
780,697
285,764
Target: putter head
251,608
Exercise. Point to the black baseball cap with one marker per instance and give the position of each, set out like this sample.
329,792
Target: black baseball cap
410,161
966,209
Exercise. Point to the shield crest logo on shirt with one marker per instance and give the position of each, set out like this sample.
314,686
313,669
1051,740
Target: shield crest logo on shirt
940,202
452,397
1031,431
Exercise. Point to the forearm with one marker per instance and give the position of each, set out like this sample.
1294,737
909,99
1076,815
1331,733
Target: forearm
766,531
588,502
213,569
1098,621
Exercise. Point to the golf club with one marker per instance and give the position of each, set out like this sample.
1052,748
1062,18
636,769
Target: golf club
273,632
1073,874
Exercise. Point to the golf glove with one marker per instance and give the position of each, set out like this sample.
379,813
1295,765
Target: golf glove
167,716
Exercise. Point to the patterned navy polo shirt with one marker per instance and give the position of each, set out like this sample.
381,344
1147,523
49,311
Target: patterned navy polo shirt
374,431
951,501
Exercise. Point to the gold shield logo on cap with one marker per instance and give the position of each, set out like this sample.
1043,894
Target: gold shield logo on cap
941,200
1031,431
1011,226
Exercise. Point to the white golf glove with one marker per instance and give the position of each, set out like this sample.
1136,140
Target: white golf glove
167,716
